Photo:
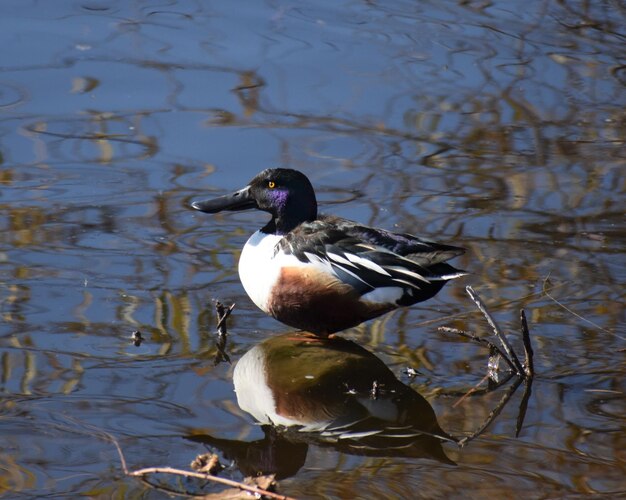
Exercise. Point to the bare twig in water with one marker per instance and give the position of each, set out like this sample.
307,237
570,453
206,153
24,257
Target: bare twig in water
529,367
119,451
546,291
142,473
501,305
222,315
222,333
496,329
476,391
262,482
523,373
480,340
209,477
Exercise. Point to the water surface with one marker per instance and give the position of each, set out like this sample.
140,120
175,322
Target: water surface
498,127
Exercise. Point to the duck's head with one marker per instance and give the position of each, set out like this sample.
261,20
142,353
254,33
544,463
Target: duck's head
285,193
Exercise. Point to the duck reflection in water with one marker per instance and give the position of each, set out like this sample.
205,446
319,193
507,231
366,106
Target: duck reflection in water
306,390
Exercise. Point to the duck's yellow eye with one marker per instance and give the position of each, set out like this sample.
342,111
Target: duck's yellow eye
271,184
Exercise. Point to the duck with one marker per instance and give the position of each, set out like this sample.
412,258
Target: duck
322,273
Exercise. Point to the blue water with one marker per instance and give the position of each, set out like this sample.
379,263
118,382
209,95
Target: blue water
496,127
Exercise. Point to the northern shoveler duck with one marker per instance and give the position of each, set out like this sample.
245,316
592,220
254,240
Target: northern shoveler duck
322,273
330,392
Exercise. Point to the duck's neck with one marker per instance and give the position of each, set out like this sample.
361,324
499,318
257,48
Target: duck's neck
291,218
279,225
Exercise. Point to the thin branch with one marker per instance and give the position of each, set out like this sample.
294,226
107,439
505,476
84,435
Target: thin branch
523,373
529,367
168,470
222,333
500,305
478,392
560,304
480,340
119,451
496,330
209,477
223,314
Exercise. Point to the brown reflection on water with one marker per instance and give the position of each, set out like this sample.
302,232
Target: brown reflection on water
497,127
325,393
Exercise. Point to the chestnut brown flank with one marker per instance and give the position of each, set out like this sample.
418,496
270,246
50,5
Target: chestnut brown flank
315,301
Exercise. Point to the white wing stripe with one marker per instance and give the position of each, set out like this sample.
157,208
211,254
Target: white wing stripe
340,259
407,283
313,259
367,263
354,275
452,276
408,273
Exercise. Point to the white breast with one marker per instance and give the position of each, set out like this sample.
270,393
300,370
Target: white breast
260,265
258,270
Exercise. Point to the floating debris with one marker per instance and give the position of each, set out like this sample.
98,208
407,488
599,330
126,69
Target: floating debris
411,372
375,390
137,338
209,463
